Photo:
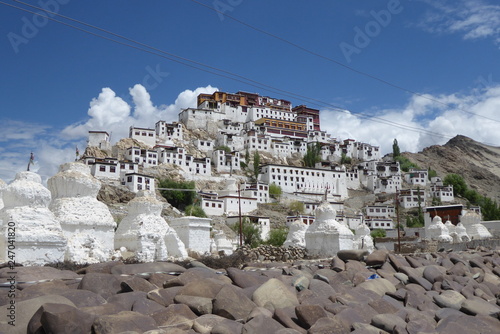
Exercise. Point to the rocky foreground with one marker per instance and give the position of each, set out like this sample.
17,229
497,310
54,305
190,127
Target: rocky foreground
381,293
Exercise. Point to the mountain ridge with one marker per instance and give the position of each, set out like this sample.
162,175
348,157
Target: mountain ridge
477,163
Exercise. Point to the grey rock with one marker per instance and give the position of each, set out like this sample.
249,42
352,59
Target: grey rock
105,285
262,325
232,303
275,293
83,298
164,297
205,323
151,267
199,305
352,254
329,325
450,299
309,314
123,321
377,258
478,306
387,321
175,316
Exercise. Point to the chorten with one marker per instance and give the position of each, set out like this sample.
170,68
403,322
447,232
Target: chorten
145,233
472,223
28,228
86,222
296,234
436,230
325,237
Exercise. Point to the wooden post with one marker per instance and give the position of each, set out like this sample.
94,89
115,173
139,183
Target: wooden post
239,211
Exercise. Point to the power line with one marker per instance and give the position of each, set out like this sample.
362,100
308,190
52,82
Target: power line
368,75
224,73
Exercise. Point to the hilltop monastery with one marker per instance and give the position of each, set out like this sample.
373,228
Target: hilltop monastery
235,127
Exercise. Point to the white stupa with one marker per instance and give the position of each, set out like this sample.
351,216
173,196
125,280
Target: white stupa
145,233
296,234
87,223
325,237
472,223
222,243
461,232
363,238
436,230
28,227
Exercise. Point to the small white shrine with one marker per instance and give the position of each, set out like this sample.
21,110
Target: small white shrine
325,237
194,232
86,223
472,222
436,230
28,227
296,234
363,238
145,232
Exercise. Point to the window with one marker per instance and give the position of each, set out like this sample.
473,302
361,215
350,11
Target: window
102,168
112,169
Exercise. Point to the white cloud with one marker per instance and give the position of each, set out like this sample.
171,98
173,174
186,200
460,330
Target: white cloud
441,115
472,19
423,121
111,113
107,112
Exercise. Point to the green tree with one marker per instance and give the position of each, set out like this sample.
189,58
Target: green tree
395,149
277,236
431,173
195,210
223,148
256,165
405,164
178,198
313,155
297,207
274,190
378,233
458,183
344,159
250,232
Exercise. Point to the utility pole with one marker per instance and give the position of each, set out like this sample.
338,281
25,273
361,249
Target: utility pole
397,221
239,212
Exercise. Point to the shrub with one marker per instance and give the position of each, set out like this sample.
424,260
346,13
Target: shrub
378,233
277,236
195,210
296,207
275,191
250,232
179,199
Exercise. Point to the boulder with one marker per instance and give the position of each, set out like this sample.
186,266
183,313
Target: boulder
123,322
275,293
352,254
309,314
232,303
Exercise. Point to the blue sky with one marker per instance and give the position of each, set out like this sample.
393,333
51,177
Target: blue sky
57,83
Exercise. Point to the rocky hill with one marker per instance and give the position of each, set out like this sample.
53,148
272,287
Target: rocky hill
477,163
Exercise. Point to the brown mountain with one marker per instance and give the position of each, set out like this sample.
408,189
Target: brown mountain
477,163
